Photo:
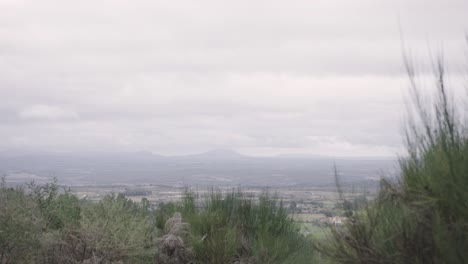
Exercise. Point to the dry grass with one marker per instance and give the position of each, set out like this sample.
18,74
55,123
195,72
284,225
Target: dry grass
174,245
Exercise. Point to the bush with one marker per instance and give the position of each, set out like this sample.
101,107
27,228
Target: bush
20,226
234,228
174,246
45,225
118,229
422,217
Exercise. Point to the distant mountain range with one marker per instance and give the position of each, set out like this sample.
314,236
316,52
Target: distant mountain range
217,167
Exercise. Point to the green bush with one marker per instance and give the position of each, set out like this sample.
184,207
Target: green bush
46,225
58,209
232,227
20,226
422,217
118,229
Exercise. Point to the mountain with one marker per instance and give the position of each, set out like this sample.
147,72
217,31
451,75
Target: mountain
216,167
217,154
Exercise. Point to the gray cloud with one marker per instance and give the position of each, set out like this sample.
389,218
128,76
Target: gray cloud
262,77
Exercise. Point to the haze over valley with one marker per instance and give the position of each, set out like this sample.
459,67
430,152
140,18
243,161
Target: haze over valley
218,167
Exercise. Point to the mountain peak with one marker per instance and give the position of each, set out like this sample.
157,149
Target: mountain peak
219,154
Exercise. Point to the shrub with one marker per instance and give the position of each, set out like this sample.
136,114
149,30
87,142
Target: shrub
174,246
118,229
422,217
234,228
20,226
112,230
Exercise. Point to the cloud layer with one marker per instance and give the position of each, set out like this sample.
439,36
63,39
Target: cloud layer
174,77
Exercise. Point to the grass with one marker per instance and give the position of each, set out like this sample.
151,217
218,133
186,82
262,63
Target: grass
423,216
49,225
230,227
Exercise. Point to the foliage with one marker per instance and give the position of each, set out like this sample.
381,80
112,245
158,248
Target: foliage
118,229
174,246
46,224
233,227
20,226
422,217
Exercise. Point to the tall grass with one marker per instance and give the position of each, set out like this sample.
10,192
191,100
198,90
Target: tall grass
422,217
45,225
233,228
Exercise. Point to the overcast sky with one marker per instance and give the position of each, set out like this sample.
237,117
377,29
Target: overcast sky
177,77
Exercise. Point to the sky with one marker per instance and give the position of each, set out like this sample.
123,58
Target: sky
321,77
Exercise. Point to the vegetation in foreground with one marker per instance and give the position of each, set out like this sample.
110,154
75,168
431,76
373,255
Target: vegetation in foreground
423,216
42,225
39,225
